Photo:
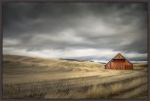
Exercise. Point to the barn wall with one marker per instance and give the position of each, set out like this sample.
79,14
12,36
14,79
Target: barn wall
119,64
108,66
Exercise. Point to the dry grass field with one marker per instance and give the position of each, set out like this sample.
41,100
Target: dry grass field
26,77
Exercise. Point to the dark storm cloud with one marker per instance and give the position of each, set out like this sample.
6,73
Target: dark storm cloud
40,26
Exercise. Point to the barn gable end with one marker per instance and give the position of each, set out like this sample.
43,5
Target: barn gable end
119,62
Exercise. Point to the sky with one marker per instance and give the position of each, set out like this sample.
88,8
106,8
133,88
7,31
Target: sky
93,31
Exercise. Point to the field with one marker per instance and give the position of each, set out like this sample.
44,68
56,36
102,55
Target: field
26,77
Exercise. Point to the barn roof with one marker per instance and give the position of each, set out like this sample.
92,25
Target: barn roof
119,56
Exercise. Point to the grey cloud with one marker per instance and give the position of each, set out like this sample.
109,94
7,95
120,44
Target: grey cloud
121,27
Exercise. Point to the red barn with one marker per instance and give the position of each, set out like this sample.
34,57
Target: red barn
119,62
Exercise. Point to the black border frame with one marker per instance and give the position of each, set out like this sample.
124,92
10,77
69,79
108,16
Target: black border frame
73,1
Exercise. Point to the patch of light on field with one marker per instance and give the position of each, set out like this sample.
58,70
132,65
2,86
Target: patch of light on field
139,62
102,61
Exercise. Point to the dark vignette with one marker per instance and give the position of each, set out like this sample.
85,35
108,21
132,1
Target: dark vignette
147,2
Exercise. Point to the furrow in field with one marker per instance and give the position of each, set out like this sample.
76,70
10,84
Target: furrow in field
109,90
133,92
75,83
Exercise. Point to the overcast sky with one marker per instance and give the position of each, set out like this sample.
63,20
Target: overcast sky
75,30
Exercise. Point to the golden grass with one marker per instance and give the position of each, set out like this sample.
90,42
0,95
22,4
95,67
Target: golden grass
26,77
109,90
